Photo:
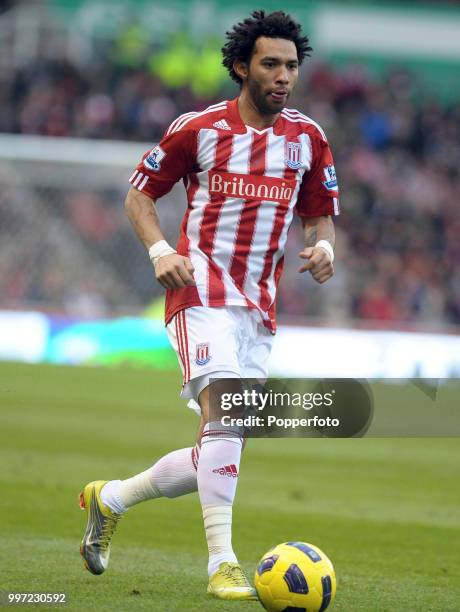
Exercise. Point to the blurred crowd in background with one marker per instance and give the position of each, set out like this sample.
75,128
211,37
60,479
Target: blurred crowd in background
397,153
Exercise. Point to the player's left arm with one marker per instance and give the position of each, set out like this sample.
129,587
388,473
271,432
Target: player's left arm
317,204
319,260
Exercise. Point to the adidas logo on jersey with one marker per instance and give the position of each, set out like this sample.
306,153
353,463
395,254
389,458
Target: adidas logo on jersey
221,125
227,470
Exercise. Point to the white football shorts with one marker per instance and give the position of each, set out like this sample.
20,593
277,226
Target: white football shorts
227,342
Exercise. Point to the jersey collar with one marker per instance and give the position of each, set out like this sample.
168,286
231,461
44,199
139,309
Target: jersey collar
240,127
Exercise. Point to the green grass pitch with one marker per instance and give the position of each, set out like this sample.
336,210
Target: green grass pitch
386,511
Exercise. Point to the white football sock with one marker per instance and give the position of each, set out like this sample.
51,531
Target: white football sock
111,498
217,479
175,474
171,476
218,528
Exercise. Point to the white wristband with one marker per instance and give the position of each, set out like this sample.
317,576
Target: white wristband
159,249
327,246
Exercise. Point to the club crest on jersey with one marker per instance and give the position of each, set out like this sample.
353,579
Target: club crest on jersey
293,155
331,179
153,159
202,354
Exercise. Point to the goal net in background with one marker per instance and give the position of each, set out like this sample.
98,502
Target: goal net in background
66,245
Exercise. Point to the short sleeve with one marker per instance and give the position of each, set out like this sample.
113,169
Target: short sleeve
319,192
166,164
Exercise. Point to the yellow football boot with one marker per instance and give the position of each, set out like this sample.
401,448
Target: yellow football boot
229,582
101,525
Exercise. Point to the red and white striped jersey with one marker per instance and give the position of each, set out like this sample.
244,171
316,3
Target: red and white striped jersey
243,186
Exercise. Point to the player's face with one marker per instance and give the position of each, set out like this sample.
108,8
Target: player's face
272,73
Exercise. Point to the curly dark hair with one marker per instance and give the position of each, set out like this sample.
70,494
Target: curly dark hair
242,38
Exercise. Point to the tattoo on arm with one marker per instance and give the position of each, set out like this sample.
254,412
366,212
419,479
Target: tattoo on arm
318,228
310,234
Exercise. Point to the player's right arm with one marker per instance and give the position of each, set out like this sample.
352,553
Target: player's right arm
154,176
173,270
